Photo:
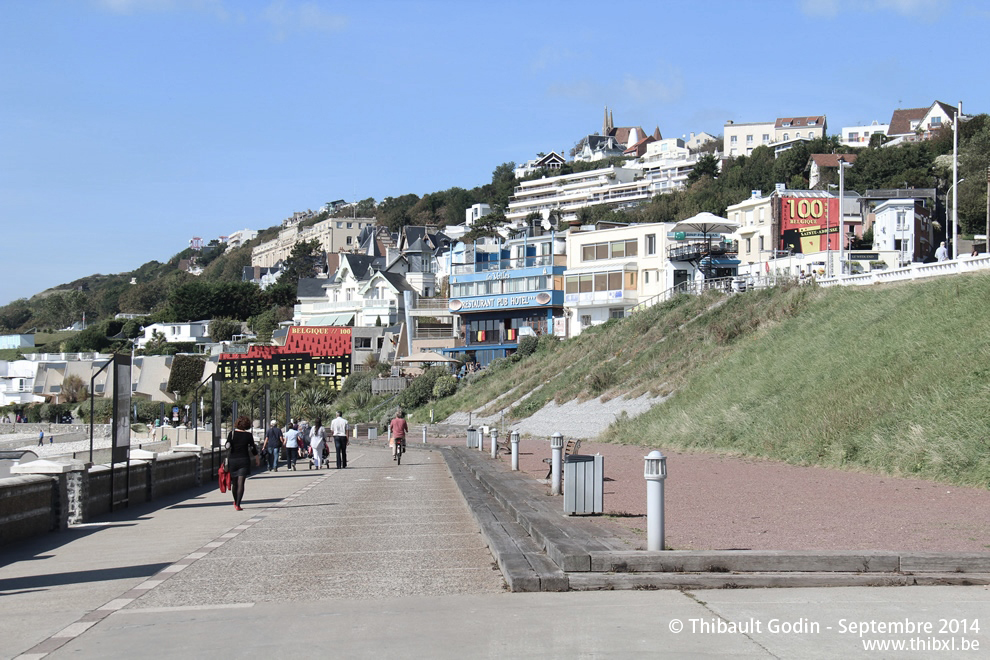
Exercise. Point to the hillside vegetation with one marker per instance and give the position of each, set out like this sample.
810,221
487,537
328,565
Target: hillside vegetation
893,379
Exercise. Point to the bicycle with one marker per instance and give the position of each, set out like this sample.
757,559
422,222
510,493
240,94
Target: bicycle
400,449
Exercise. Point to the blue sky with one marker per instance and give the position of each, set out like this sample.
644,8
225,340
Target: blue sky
129,126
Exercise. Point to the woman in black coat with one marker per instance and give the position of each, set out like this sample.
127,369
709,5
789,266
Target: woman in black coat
241,452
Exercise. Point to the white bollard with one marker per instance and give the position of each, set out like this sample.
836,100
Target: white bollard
514,439
655,472
556,454
494,443
424,435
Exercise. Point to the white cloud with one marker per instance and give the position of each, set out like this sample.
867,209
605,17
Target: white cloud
666,86
820,8
666,89
288,17
550,56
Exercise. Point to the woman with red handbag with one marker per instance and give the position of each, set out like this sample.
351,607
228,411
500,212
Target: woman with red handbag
241,452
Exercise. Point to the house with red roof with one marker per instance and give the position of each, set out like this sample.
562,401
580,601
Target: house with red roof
919,124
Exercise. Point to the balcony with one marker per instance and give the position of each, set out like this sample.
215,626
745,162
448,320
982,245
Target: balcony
507,264
695,251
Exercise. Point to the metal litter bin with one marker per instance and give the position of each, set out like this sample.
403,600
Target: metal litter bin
584,481
472,438
373,433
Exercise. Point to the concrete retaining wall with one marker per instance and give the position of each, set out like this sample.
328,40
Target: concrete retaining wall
28,507
59,494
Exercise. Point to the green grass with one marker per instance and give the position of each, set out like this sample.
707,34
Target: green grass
892,379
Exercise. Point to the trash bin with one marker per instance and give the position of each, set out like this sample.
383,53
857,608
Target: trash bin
373,433
584,481
472,438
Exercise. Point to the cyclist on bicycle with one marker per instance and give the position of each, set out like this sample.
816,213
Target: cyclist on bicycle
399,429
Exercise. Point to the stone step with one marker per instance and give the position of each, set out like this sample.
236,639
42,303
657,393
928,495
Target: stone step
591,581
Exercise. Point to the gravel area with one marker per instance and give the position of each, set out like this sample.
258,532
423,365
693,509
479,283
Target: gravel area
716,501
586,419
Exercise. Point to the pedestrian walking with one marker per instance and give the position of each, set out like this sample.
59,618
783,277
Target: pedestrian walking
241,453
338,428
291,447
273,444
317,441
41,438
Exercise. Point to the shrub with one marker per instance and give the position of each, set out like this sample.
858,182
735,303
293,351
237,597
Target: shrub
444,387
421,389
548,343
527,346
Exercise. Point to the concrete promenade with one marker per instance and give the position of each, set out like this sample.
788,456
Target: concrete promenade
381,559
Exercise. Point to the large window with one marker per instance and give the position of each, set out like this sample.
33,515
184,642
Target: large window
611,250
615,280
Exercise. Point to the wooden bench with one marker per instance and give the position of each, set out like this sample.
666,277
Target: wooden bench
571,447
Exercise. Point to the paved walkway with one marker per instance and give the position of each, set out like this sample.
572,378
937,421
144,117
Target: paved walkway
380,560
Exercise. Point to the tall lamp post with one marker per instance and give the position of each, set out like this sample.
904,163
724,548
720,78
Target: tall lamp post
842,225
955,218
955,177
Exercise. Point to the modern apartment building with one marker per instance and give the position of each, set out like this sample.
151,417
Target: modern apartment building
610,271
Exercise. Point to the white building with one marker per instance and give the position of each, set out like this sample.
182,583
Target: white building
859,136
568,193
360,293
333,235
756,232
610,271
741,139
238,238
551,161
189,331
17,382
903,226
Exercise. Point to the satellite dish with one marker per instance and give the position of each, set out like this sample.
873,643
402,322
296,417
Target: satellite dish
545,224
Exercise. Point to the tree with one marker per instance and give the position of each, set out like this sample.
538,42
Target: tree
707,165
222,329
301,262
74,389
15,314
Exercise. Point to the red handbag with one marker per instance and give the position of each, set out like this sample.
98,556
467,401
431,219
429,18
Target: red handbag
224,477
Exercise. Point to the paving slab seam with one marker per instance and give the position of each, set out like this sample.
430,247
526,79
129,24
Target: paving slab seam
91,618
575,556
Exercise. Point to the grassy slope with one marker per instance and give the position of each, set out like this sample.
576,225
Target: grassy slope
894,379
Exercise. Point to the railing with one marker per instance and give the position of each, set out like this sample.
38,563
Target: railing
64,357
351,305
432,303
912,272
434,333
695,250
510,264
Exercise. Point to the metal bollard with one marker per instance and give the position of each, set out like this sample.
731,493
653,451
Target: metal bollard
424,435
556,454
655,472
481,439
494,443
514,439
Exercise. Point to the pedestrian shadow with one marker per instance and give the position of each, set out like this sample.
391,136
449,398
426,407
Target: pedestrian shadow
42,582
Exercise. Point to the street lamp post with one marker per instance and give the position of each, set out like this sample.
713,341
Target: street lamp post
955,218
842,225
955,180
